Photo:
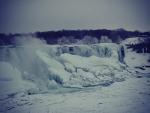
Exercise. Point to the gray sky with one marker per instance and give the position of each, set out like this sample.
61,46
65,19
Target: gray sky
44,15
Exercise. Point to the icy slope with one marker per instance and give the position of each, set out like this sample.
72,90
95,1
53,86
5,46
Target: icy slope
138,62
44,67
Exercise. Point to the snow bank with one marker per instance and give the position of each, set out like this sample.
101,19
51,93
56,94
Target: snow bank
137,62
135,40
44,67
130,96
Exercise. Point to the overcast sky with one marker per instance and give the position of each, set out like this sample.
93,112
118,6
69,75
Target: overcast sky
43,15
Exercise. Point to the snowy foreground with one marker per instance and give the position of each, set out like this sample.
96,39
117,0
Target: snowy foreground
130,96
100,78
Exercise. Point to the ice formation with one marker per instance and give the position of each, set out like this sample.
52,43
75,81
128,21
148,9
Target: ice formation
34,66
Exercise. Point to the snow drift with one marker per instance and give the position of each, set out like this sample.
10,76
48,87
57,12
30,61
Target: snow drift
33,66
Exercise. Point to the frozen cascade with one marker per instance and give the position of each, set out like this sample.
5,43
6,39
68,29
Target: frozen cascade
99,50
44,67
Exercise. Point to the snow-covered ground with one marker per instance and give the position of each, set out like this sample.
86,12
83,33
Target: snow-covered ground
135,40
99,78
139,61
130,96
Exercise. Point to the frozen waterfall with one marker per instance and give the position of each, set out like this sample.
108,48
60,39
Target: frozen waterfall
34,66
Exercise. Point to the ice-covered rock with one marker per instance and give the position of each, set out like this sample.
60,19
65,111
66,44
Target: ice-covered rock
99,50
11,80
51,66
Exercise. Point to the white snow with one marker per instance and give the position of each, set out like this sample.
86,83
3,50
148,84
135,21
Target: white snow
130,96
61,79
134,40
138,60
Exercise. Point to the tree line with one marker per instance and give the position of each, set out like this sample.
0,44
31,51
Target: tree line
76,36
